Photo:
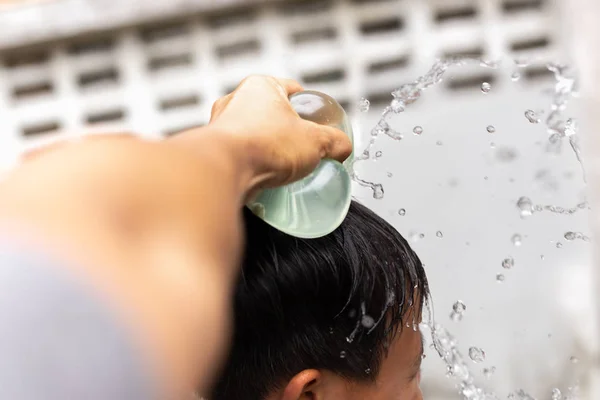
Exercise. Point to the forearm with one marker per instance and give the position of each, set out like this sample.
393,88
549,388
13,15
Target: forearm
125,222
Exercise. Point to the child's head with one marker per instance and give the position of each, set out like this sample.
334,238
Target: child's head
329,318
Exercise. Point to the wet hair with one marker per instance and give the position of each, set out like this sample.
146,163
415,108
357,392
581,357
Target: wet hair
333,303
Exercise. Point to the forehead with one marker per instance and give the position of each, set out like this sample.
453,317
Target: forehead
404,355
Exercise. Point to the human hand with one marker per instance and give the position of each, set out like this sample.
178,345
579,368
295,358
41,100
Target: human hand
278,145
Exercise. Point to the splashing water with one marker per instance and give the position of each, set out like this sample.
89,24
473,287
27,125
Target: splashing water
401,98
558,127
447,348
402,212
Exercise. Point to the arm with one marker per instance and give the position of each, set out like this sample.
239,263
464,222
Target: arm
155,226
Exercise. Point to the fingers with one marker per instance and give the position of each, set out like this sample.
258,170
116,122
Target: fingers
291,86
332,142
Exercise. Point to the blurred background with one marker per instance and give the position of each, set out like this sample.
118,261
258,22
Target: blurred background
156,67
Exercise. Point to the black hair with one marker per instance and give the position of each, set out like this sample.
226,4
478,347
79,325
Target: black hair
332,303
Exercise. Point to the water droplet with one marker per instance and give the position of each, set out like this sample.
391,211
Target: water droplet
402,212
390,175
488,372
439,234
486,87
421,235
331,331
342,354
368,371
526,206
542,257
500,278
439,143
515,76
378,191
417,130
532,117
574,360
378,154
516,239
476,354
363,105
556,394
367,321
491,129
492,145
570,236
508,263
458,310
559,245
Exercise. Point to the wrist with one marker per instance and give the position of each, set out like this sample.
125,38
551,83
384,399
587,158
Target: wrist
229,153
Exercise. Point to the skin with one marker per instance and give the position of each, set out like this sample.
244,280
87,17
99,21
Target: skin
155,228
399,377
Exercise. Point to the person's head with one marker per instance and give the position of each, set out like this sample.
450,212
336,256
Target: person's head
329,318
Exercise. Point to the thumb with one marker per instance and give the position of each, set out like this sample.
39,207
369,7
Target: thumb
333,143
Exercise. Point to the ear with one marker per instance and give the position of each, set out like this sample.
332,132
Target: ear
304,386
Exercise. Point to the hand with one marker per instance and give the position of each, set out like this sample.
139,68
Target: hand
280,146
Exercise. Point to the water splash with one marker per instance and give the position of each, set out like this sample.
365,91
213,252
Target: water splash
418,130
524,205
439,234
402,212
500,278
557,124
447,348
486,87
491,129
401,98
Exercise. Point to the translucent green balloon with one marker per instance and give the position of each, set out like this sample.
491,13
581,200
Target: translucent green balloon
316,205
